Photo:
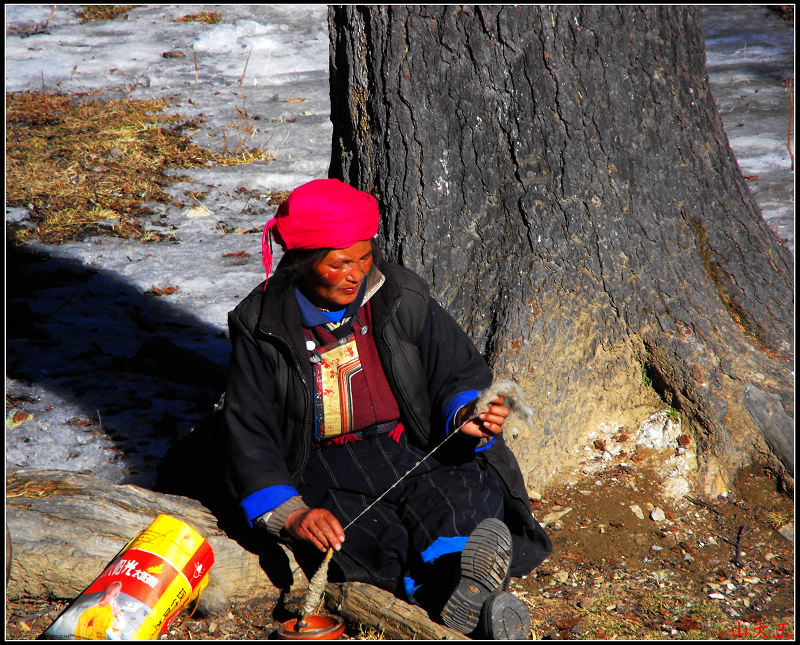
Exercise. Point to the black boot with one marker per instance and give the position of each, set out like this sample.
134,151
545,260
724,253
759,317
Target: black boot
503,617
484,570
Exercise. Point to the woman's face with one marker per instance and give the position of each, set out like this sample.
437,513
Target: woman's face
334,281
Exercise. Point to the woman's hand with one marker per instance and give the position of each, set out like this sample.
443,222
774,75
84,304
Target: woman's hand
487,423
316,525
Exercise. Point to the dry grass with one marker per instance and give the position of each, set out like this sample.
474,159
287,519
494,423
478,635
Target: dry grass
91,12
84,167
206,17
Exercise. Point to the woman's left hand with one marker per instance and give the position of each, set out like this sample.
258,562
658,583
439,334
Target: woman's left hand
486,423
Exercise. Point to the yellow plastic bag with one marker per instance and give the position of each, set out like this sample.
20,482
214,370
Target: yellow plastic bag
143,589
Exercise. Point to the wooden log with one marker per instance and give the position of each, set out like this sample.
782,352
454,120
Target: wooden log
362,604
65,527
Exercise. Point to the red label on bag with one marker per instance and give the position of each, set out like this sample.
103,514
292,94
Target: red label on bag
144,575
198,565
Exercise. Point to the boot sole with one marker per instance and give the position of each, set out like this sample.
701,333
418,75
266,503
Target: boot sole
507,618
484,567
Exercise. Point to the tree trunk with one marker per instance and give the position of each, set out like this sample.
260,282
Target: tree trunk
66,527
561,177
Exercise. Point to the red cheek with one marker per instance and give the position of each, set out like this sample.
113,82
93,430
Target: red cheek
332,277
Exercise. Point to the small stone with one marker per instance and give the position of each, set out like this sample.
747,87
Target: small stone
717,487
555,515
657,515
716,596
637,511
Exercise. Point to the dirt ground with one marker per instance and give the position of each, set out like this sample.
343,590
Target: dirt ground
613,575
707,570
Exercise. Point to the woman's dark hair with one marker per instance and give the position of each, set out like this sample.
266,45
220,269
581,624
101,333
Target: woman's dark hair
303,260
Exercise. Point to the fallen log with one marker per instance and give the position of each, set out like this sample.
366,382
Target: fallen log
65,527
363,604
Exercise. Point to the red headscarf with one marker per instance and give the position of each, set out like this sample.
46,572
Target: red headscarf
322,214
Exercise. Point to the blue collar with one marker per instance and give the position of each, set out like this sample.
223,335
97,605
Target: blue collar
311,316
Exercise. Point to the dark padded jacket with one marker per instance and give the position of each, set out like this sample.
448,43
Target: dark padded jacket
427,358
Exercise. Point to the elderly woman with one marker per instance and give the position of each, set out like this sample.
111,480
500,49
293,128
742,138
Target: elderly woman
344,374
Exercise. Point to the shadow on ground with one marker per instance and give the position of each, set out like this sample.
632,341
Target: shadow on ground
131,363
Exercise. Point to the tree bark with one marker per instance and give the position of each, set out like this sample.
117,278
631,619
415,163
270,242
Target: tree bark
362,604
66,527
561,177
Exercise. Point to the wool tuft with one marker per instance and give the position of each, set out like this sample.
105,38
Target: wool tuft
520,417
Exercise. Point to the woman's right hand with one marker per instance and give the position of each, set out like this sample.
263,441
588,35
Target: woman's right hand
316,525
